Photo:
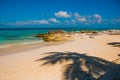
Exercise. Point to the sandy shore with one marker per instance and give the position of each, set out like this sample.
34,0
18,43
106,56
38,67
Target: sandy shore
13,49
23,65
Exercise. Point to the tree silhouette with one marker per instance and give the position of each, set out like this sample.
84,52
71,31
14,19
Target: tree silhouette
96,66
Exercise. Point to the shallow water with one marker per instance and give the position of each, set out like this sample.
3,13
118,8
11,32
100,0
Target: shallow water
18,36
11,36
23,36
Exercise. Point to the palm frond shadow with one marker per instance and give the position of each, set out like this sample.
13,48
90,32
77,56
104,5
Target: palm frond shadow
95,66
114,44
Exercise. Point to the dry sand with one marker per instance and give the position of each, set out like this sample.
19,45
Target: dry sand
22,65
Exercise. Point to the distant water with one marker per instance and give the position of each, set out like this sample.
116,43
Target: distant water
14,36
18,36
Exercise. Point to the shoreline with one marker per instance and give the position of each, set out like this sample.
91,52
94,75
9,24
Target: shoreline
26,46
82,37
22,48
28,64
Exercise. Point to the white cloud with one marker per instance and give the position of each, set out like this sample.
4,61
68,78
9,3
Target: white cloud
21,23
97,18
53,20
76,15
88,19
80,18
43,22
69,18
62,14
70,22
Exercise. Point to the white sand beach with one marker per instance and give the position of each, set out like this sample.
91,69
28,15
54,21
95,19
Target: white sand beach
23,65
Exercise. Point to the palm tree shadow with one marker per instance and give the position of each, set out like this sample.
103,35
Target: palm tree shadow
114,44
74,71
112,74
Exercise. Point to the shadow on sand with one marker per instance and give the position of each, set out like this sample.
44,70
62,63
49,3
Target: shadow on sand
97,68
114,44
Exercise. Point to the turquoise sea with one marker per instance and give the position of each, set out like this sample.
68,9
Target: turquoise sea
14,36
10,36
18,36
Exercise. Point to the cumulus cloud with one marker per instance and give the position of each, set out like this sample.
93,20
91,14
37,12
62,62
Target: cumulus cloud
21,23
97,17
76,15
70,22
43,22
53,20
62,14
88,19
80,18
69,18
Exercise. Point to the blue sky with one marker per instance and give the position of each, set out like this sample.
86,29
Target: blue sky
40,13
